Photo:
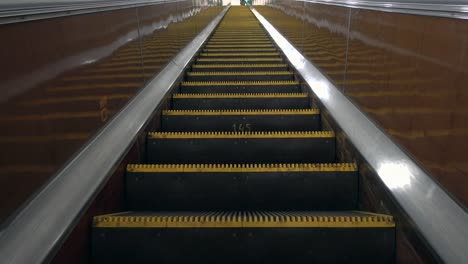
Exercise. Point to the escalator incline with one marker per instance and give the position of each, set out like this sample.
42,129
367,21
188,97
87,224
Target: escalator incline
241,170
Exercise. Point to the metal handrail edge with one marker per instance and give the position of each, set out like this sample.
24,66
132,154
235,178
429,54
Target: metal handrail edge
441,220
43,224
435,8
24,13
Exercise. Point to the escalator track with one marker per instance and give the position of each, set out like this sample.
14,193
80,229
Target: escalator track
241,170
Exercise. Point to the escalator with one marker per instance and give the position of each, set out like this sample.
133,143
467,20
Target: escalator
242,171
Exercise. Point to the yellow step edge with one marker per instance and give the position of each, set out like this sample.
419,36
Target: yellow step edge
233,83
210,66
239,59
253,219
241,95
244,112
253,73
310,167
274,134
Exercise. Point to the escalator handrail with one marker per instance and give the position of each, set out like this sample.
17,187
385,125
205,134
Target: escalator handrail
442,221
15,11
42,225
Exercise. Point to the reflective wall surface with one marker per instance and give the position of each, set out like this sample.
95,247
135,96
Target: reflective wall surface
407,72
62,79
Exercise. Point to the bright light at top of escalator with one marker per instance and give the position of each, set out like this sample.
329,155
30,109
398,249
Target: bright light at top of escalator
395,175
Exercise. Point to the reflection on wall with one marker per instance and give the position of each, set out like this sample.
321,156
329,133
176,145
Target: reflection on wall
408,72
62,79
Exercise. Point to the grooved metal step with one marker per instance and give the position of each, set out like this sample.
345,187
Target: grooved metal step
244,237
241,55
239,67
237,50
238,60
239,40
233,42
240,101
238,45
240,76
242,187
231,147
241,120
241,87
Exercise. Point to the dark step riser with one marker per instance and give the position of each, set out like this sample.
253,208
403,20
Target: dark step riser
245,55
234,50
240,40
253,42
229,46
260,61
241,37
259,34
247,123
241,150
240,77
242,191
240,89
239,103
243,69
243,245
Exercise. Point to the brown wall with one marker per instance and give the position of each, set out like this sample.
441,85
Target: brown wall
62,79
408,72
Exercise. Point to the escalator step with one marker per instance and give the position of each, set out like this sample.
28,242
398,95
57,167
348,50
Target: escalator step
244,237
231,147
240,76
241,87
252,33
238,60
242,186
241,54
237,50
237,46
238,67
241,120
239,41
240,101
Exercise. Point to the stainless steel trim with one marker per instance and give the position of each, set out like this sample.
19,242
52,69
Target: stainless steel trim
46,220
441,8
440,219
22,11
